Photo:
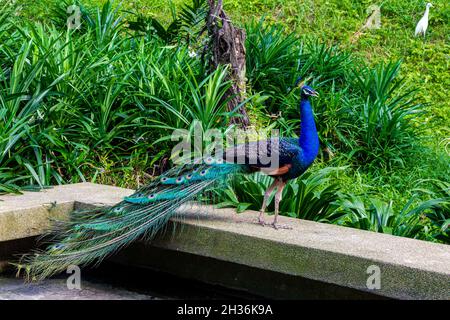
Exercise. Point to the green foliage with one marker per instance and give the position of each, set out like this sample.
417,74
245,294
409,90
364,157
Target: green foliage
382,116
379,216
84,104
364,113
187,25
271,58
440,216
99,103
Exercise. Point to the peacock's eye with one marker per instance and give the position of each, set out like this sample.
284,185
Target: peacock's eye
209,160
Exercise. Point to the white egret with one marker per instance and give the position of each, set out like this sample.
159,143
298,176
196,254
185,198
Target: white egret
422,25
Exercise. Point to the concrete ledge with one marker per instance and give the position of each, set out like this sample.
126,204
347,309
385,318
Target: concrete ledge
27,215
410,269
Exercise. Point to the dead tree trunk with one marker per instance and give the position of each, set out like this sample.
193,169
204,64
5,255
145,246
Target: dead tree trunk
228,48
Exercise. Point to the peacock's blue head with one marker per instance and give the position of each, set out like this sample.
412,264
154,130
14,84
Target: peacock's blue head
306,91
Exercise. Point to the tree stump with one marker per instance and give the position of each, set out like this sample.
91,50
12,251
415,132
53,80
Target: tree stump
228,48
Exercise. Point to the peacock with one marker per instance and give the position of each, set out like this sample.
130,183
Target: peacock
91,235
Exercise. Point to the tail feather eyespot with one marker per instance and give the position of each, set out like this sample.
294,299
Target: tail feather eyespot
57,246
179,180
117,210
209,160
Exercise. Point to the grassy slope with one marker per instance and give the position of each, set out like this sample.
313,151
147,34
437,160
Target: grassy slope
337,21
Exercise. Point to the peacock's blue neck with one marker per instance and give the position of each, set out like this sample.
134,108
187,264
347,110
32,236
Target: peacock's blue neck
309,139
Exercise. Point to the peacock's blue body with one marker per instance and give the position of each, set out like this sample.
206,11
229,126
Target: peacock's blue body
92,235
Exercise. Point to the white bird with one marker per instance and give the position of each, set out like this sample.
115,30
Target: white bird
422,25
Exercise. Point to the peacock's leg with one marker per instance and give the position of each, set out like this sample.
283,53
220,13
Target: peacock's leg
278,197
266,198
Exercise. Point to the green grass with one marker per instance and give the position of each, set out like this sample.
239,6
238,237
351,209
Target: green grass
101,102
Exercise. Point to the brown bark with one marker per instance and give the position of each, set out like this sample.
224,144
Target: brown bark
228,48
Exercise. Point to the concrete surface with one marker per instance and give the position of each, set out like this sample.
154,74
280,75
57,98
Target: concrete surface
28,214
409,269
56,289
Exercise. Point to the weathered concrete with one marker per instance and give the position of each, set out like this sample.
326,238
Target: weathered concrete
327,253
246,279
27,215
56,289
409,269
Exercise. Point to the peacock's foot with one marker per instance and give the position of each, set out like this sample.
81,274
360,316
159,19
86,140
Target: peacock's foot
277,226
261,220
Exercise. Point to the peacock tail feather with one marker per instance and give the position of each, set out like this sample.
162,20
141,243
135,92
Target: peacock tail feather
91,235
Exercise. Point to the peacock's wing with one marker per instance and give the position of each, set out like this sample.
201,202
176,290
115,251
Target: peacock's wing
274,153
